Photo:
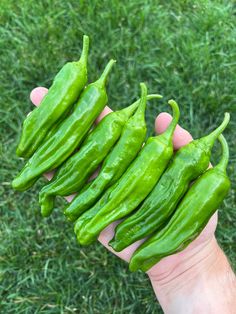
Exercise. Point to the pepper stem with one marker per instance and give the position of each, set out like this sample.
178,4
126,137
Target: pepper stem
84,54
143,100
130,109
210,138
152,96
222,165
103,77
175,109
141,103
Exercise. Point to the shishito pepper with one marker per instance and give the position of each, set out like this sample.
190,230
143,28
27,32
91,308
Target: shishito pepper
132,188
65,90
190,217
116,163
68,135
189,162
73,174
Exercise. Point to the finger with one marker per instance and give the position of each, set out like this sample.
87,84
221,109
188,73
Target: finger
105,112
107,234
70,197
37,95
181,136
95,174
49,175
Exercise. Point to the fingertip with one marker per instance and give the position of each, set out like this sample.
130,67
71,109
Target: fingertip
162,121
105,112
181,136
49,175
37,95
70,198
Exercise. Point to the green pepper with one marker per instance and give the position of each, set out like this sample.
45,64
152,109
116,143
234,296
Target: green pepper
73,174
65,90
131,189
190,217
189,162
116,163
68,135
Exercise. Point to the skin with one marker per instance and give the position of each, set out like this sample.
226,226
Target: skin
197,280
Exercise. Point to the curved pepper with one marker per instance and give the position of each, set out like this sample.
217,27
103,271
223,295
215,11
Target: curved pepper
189,162
72,175
131,189
115,164
65,90
190,217
68,135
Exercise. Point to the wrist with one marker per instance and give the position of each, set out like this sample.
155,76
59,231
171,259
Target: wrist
199,276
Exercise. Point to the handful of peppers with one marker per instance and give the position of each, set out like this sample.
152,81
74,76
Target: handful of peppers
163,196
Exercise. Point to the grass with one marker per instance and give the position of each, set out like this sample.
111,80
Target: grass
182,49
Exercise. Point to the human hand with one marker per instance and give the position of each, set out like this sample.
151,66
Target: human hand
181,137
167,265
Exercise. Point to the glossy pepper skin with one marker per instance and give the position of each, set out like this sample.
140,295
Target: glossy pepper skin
115,164
189,162
190,217
68,135
73,174
65,90
131,189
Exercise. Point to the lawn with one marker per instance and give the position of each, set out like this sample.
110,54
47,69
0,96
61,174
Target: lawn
183,49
